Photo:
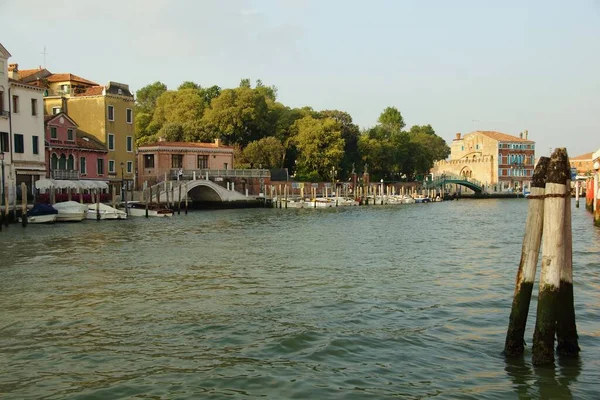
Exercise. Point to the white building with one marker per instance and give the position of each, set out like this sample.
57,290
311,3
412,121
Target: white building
22,129
4,119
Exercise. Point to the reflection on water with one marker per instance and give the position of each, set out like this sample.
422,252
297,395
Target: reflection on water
367,302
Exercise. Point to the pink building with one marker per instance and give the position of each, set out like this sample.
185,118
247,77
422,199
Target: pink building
69,153
157,159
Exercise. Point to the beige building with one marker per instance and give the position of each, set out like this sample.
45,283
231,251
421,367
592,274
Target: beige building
500,162
583,163
157,160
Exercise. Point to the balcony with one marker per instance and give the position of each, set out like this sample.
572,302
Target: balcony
64,174
4,114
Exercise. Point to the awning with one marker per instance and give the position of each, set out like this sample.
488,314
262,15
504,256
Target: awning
45,184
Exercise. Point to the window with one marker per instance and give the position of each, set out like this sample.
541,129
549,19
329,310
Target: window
224,165
111,113
53,132
71,163
177,161
62,162
477,146
54,162
70,135
130,144
129,167
100,166
19,145
4,142
202,162
111,166
111,142
129,116
149,161
35,145
462,148
15,107
2,101
56,110
33,106
82,166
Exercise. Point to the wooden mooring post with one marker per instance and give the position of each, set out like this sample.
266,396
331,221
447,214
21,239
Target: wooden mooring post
179,200
186,199
24,204
97,193
532,240
553,257
147,200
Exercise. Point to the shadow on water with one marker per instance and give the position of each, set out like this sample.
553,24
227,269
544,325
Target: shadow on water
549,382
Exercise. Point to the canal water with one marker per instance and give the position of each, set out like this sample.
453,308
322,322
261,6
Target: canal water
367,302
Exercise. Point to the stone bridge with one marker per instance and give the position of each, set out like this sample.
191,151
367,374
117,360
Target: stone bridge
200,190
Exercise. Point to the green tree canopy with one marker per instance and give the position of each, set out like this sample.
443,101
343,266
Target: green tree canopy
267,152
320,147
391,119
189,85
146,97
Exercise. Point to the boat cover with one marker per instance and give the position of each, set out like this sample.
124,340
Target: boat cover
41,209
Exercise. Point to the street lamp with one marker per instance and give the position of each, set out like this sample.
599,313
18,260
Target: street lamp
2,161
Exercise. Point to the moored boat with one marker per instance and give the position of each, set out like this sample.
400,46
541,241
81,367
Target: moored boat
137,209
106,212
70,211
42,213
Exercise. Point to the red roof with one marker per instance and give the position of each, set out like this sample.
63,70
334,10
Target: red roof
186,144
24,73
69,77
86,142
91,91
583,157
503,137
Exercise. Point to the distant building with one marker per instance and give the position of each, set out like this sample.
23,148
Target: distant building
160,158
497,160
103,112
71,154
583,163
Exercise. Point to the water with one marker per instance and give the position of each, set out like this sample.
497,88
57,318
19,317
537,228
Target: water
366,302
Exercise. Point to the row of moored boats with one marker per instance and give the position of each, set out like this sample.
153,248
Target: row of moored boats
72,211
319,202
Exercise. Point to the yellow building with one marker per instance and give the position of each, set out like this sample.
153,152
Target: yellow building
105,112
499,161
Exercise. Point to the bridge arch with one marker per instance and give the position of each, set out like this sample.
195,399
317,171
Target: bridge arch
202,192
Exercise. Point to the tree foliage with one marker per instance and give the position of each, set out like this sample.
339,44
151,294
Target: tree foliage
267,153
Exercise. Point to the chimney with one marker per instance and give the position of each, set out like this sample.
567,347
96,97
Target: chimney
521,135
526,134
457,136
13,71
217,142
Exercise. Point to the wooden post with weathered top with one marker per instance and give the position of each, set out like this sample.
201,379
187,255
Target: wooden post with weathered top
24,204
566,329
553,257
514,345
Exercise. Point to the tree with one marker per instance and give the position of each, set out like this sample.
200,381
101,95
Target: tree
189,85
267,152
172,132
391,119
211,93
146,97
240,115
320,147
180,106
350,134
245,83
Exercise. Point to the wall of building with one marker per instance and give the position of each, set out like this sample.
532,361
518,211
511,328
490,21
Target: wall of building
121,129
91,160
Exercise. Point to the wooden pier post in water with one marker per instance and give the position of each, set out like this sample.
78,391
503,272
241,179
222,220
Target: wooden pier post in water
147,200
97,204
24,204
566,328
553,257
186,199
179,200
114,197
515,335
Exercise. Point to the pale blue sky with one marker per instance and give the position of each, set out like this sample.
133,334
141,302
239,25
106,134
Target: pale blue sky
456,64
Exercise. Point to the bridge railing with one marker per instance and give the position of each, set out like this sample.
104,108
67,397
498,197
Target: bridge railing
440,180
224,173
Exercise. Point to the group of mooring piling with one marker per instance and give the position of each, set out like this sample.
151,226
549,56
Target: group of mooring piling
5,212
548,218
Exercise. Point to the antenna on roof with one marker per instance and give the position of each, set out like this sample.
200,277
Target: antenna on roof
44,53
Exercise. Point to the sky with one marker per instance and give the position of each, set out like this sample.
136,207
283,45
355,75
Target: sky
459,65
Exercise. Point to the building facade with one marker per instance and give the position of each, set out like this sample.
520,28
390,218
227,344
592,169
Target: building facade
105,113
5,154
168,158
70,154
500,162
584,164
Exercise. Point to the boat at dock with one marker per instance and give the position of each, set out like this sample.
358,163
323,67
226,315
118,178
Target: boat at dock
106,212
70,211
137,209
42,213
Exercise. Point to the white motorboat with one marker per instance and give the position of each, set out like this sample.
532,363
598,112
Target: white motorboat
106,212
70,211
408,200
137,209
42,213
